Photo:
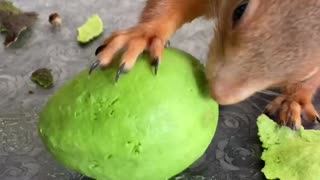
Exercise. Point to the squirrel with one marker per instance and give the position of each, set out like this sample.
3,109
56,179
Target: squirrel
257,45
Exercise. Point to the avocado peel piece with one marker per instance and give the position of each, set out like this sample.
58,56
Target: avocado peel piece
43,78
13,21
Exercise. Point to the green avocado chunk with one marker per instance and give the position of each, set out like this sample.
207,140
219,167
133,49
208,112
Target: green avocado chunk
288,154
91,29
144,127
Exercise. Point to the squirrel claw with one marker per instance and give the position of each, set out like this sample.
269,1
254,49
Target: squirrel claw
120,71
167,44
156,63
94,66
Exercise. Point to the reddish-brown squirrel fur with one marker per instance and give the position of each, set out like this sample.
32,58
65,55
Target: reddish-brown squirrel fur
275,44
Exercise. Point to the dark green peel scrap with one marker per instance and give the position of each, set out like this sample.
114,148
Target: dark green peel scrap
13,21
2,29
8,7
43,77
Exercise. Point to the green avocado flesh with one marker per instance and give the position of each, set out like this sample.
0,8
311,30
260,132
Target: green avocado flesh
144,127
288,154
92,28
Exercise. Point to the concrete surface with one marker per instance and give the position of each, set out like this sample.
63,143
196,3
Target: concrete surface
233,155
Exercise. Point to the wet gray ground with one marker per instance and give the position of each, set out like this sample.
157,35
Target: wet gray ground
233,155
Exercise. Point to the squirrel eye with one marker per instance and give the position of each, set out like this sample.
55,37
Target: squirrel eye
239,11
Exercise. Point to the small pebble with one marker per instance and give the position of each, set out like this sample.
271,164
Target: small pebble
55,19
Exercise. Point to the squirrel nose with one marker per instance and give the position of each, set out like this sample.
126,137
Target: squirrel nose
222,93
228,91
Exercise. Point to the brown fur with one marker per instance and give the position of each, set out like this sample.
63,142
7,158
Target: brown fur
275,44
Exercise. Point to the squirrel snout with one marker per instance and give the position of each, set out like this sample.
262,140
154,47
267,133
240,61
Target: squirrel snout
229,92
222,93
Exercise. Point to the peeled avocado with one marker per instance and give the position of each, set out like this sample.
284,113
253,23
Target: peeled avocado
145,127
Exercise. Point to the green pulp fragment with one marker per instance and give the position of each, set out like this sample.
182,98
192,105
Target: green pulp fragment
90,30
288,154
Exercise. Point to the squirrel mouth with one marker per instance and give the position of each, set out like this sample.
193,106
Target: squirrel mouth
228,94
